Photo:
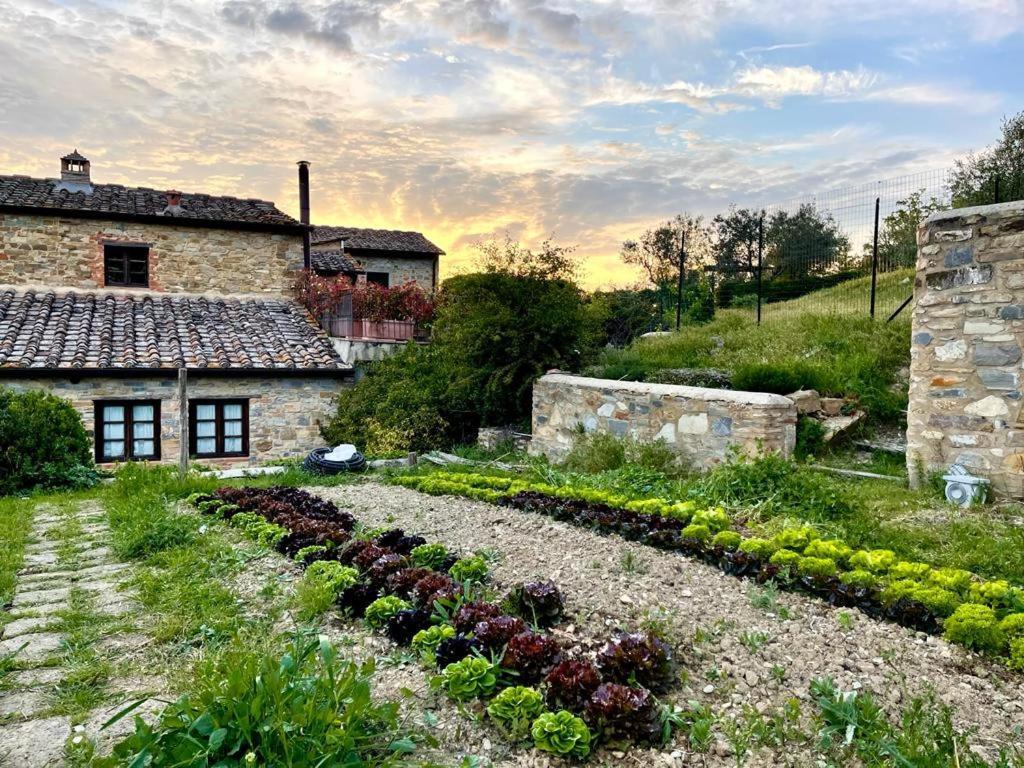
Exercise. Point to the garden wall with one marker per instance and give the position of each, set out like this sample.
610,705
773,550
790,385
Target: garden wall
700,424
966,346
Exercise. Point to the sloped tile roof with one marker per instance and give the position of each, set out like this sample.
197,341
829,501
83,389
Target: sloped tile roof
376,240
115,200
333,261
81,331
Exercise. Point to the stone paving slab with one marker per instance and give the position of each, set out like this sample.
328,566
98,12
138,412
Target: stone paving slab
25,599
102,569
23,704
34,647
36,563
39,677
34,743
24,626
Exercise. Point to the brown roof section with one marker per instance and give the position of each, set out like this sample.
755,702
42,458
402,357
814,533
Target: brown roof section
115,201
333,261
376,240
83,331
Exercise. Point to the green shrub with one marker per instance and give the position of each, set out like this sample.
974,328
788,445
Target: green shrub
810,437
429,555
43,443
773,486
514,710
727,539
469,569
304,709
561,733
778,378
975,626
596,452
473,677
383,608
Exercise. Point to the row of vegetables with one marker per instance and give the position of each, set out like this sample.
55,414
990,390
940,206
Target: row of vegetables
984,615
498,650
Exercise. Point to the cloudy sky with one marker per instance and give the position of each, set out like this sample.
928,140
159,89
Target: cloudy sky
589,120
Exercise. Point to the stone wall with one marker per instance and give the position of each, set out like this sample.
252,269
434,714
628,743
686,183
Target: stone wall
402,270
967,337
285,414
54,251
700,424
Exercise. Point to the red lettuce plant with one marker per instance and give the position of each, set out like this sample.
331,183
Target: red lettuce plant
369,555
436,586
402,582
638,658
354,600
405,624
570,684
456,648
383,567
496,632
539,602
624,714
530,654
471,614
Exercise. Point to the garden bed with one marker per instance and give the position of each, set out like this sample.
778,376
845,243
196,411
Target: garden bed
753,647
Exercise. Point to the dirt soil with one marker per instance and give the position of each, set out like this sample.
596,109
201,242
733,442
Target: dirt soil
611,584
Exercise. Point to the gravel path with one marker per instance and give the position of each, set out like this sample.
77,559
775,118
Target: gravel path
67,559
746,654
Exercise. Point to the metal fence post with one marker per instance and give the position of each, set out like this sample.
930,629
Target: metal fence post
997,188
874,259
760,252
679,288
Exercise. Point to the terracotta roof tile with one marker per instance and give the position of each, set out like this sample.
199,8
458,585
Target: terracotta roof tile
376,240
113,199
105,330
333,261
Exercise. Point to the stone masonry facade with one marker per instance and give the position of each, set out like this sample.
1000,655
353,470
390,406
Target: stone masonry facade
699,424
402,270
65,251
966,346
285,413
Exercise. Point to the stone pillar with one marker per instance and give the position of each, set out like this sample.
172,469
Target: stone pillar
966,346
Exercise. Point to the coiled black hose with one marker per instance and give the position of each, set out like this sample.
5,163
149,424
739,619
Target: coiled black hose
318,465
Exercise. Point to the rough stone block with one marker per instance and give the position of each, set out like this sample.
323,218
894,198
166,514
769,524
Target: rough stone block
958,257
806,400
996,354
996,379
959,278
951,350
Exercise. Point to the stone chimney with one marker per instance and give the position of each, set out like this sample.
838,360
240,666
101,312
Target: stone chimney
173,207
74,173
304,209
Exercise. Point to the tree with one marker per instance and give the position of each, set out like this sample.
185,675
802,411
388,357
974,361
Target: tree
975,177
508,256
657,252
897,240
804,243
735,243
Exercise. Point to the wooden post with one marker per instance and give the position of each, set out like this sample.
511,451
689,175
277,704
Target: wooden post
183,421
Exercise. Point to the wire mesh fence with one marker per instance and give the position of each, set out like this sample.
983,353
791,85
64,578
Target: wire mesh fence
849,251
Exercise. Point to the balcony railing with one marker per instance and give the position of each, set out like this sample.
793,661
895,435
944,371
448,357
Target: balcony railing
387,330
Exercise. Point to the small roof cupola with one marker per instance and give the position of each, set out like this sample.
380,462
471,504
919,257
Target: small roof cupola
74,173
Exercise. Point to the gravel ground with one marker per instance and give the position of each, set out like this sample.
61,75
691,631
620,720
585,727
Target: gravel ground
610,583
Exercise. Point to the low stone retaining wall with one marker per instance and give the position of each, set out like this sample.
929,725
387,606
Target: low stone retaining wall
700,424
967,346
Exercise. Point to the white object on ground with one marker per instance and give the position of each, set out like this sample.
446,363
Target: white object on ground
342,452
247,471
963,488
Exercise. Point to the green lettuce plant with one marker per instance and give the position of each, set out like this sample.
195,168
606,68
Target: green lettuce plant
727,540
975,626
561,733
425,641
514,710
473,677
429,555
469,569
383,608
331,575
694,531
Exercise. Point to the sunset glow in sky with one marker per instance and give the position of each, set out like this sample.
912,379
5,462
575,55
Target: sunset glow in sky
589,120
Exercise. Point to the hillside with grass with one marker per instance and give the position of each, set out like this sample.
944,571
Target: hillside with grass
804,343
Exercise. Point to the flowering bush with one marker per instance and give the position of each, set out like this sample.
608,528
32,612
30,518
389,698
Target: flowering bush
321,295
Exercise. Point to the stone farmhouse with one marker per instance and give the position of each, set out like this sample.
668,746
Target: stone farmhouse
383,256
108,293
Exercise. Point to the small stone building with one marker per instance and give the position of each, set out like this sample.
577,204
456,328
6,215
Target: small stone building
383,256
966,346
107,292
